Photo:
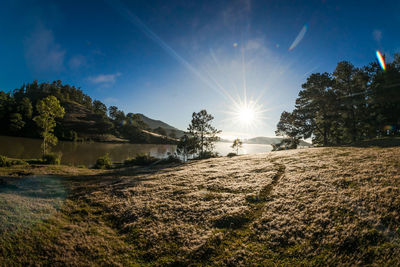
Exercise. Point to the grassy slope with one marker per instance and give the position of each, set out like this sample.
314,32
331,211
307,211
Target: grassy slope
310,206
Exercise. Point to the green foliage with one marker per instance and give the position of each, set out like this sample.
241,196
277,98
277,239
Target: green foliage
140,160
16,122
203,132
24,101
103,162
25,108
48,108
4,161
350,105
52,158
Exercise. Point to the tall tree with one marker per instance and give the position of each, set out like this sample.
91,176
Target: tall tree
49,109
203,132
314,108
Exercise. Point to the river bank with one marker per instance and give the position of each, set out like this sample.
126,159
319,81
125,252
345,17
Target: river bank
310,206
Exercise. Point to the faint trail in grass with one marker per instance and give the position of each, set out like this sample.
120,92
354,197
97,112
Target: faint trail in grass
236,229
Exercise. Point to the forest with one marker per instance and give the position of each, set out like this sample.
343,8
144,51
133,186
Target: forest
18,108
347,106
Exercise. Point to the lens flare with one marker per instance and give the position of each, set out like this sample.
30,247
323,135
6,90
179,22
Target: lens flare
381,60
299,37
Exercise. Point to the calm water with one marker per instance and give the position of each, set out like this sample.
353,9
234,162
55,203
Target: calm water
86,153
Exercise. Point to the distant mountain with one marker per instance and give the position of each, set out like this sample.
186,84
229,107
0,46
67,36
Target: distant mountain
153,124
270,140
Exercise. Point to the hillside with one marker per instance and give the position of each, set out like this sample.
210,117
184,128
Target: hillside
92,126
153,124
316,206
85,123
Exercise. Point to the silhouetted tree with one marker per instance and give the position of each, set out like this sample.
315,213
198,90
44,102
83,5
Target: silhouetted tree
203,132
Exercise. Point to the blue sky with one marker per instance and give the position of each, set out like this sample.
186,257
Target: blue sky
166,59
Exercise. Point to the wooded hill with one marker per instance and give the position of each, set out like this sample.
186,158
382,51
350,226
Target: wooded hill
84,118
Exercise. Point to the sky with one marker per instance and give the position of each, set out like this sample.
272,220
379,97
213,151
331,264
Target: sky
168,59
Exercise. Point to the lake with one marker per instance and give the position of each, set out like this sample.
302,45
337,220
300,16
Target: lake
77,153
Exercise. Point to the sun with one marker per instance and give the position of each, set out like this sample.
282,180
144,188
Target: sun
246,115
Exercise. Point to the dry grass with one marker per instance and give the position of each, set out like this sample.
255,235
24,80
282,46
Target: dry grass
311,206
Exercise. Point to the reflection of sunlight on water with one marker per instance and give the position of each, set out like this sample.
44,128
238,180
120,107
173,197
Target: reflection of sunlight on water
223,148
27,201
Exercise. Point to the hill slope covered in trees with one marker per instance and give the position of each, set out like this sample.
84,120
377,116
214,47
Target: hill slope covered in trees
85,119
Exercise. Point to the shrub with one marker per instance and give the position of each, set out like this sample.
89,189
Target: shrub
140,160
231,154
207,155
172,158
52,158
103,162
18,162
4,162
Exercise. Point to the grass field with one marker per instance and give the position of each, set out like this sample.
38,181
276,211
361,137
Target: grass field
318,206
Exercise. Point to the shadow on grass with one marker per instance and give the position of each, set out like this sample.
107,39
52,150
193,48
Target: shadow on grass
381,142
39,186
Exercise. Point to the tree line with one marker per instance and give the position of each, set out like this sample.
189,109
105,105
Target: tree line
19,107
346,106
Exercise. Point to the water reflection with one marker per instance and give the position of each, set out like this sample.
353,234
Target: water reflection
76,153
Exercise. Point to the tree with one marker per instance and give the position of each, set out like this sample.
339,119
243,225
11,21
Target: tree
203,132
187,145
25,108
16,122
48,108
99,108
237,143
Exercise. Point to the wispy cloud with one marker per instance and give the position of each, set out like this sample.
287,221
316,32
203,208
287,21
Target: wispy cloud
377,34
104,78
77,61
42,53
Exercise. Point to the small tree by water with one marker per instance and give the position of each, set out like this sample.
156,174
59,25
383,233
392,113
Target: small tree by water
237,143
48,108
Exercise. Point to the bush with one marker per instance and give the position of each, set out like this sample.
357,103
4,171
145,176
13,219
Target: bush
231,154
207,155
140,160
18,162
103,162
52,158
172,158
4,162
